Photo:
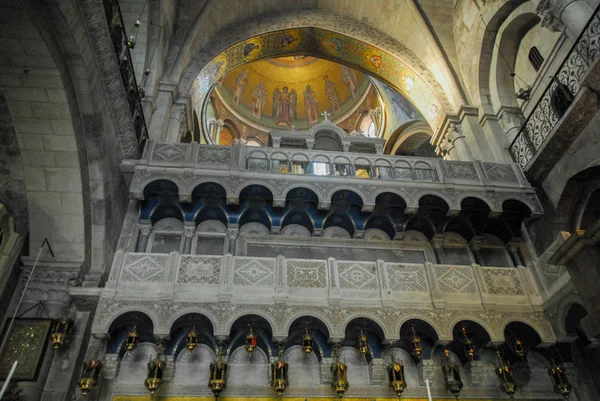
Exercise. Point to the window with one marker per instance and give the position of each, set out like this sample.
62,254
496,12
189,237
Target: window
535,58
342,170
299,167
321,168
166,236
368,127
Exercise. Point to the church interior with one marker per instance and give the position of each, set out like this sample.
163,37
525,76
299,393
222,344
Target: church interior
299,199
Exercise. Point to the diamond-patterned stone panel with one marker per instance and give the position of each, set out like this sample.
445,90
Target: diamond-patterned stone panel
455,279
144,268
306,274
253,271
358,276
406,277
169,152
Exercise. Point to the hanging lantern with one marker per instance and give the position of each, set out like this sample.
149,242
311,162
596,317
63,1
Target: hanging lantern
506,377
131,42
279,375
250,342
307,342
558,374
362,344
452,375
339,375
89,376
132,340
396,377
416,345
218,374
191,340
519,349
156,368
61,330
469,346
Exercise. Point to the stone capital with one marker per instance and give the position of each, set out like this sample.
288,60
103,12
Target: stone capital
550,11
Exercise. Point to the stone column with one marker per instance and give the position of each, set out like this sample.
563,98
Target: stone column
218,124
513,249
436,242
145,230
568,16
475,246
232,236
189,231
453,145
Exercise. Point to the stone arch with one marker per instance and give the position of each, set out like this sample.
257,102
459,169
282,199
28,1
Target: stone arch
495,335
419,131
320,195
227,325
478,196
313,314
429,321
545,335
102,327
387,331
381,191
190,310
246,184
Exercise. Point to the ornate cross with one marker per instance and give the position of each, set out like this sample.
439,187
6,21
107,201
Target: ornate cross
325,114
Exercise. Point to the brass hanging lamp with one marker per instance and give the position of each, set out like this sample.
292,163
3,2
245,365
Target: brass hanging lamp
219,371
416,346
560,381
62,327
396,377
191,340
468,345
279,374
89,375
156,368
339,374
451,373
132,339
519,349
362,343
506,377
250,341
307,342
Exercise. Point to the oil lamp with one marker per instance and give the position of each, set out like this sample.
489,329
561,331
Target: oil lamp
506,377
416,345
89,376
451,375
362,344
61,330
558,374
250,342
155,372
468,344
218,374
339,375
191,340
279,374
395,372
519,349
132,339
307,342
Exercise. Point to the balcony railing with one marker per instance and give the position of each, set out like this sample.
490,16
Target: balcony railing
263,278
302,162
120,40
559,94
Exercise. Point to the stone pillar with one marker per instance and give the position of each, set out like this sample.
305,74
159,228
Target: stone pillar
160,119
178,122
453,144
145,230
218,124
568,16
189,231
475,246
436,242
513,249
232,236
377,371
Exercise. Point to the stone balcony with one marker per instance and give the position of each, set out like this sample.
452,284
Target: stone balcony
324,172
426,290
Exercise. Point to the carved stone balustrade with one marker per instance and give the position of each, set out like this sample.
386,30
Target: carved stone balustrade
188,165
166,285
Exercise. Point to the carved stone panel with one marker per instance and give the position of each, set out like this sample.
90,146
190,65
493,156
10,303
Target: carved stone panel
457,279
199,270
213,155
144,267
169,152
254,271
501,281
358,275
461,170
404,277
500,172
306,273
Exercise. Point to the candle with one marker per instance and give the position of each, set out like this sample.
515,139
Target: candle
428,389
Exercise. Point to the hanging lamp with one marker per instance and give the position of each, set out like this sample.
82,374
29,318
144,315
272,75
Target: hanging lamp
250,341
191,340
362,344
506,377
279,374
132,339
558,374
89,376
307,342
396,377
468,345
339,374
156,368
62,328
219,371
416,345
451,373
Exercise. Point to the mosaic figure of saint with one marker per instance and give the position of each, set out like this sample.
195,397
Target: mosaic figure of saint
349,79
311,105
241,82
284,106
334,99
259,94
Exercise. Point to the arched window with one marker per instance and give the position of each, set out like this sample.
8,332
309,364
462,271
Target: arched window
167,235
368,126
535,58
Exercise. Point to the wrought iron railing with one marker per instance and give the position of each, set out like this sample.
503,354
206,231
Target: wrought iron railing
119,37
559,94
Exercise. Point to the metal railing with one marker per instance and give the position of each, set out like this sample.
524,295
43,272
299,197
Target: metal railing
116,26
559,94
